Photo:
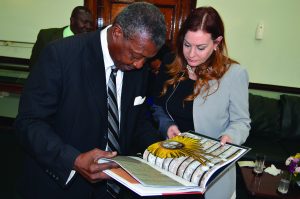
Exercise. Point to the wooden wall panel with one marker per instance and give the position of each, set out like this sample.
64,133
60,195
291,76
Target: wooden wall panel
175,12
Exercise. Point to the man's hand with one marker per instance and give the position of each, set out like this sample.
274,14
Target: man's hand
87,164
173,131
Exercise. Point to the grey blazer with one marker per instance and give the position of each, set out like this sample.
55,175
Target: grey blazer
224,111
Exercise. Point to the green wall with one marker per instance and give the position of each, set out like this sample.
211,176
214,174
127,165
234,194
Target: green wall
273,60
21,20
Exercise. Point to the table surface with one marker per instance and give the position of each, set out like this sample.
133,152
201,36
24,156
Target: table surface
265,185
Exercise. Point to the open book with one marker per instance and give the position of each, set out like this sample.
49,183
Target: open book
151,175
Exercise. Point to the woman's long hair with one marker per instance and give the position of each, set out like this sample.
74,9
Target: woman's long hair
208,20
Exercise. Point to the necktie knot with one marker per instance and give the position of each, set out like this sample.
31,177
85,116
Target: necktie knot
114,70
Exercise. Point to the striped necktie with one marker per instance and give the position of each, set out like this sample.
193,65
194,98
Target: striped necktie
113,113
113,125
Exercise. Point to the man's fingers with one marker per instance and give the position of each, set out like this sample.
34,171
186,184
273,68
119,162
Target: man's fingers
95,172
87,164
103,154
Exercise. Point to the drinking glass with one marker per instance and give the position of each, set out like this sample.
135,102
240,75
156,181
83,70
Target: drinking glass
259,163
284,182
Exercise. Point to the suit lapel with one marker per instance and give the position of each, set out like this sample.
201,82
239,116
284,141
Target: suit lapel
132,83
133,86
130,79
59,34
94,67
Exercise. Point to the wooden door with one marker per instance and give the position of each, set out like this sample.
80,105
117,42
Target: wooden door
175,12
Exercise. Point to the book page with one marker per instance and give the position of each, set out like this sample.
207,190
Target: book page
127,179
191,169
145,173
167,176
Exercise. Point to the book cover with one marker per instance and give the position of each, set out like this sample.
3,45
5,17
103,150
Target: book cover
159,174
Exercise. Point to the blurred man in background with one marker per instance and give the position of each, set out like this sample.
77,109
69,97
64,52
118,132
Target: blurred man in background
80,22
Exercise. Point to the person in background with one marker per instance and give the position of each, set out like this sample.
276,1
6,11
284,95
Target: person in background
154,64
64,120
80,22
157,60
204,90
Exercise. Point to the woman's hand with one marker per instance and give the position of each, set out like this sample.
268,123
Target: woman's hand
225,139
173,131
87,164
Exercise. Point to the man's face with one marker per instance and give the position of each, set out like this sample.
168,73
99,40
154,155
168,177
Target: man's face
81,23
131,53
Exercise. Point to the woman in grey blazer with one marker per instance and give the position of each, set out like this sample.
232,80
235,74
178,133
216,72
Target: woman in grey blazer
204,90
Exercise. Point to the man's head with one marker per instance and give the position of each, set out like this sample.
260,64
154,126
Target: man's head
138,32
81,20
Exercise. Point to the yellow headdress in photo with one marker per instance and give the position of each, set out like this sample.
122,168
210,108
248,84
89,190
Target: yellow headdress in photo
179,146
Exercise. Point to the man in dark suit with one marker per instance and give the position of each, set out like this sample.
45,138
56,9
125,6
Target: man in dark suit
80,22
62,120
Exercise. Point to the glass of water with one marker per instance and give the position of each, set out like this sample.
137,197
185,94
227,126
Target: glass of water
259,164
284,183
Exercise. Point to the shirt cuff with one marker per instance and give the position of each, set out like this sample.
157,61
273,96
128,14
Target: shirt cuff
72,173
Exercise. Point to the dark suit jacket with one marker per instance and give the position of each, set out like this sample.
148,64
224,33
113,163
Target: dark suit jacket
63,112
44,37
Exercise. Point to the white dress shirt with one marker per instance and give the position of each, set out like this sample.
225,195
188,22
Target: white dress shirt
108,62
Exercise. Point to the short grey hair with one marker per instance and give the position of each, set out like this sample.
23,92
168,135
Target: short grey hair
142,17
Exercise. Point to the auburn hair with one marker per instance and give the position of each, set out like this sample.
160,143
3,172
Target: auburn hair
207,20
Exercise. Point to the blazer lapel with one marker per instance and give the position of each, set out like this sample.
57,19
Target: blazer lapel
130,79
94,67
59,34
127,93
131,88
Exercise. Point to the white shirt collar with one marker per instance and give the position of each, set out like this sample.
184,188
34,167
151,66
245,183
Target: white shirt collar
108,62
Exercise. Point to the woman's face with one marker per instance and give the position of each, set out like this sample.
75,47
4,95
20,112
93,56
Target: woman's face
198,46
